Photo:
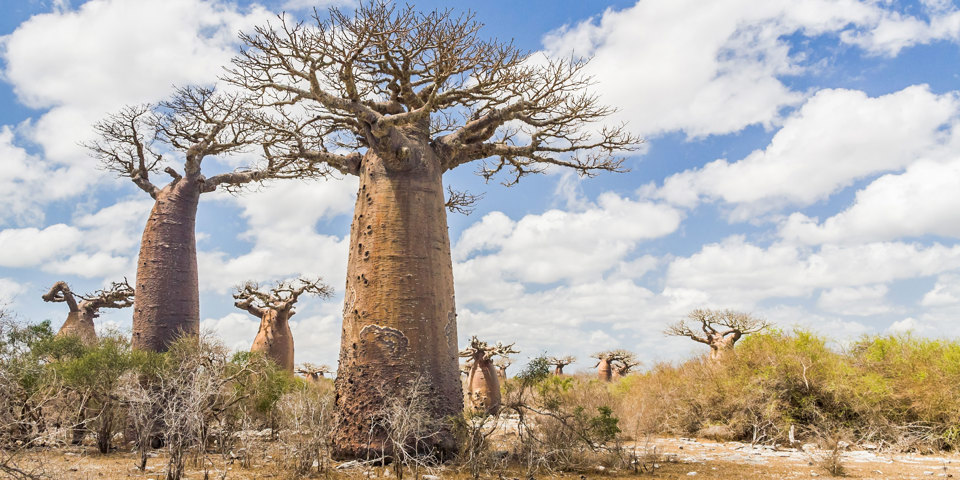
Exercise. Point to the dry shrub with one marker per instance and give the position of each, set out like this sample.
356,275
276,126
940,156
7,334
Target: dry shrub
897,391
306,421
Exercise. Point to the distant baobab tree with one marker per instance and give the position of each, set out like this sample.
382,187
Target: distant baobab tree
313,373
274,307
397,98
502,364
721,329
196,123
483,382
80,318
560,362
624,361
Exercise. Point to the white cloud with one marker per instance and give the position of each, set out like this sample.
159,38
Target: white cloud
282,224
740,273
857,301
946,292
26,247
561,245
921,201
319,4
81,64
685,65
836,138
895,31
908,324
9,290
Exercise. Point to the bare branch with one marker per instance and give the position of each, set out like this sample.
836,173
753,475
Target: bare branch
461,201
118,295
282,297
60,292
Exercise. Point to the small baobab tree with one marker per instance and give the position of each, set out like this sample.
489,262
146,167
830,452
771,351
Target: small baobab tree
623,362
721,329
483,383
195,123
502,364
560,362
80,318
274,307
411,96
606,363
313,373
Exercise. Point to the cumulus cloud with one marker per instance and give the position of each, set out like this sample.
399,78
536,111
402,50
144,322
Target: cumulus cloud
857,301
79,64
25,247
740,273
895,31
945,292
702,68
9,290
836,138
920,201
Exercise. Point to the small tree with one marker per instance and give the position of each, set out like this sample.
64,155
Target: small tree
80,319
721,329
313,373
274,307
604,365
196,123
502,364
483,383
560,362
624,362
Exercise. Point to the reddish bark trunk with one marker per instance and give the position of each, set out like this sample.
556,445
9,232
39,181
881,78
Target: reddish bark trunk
274,338
167,303
502,373
399,317
80,323
558,370
484,387
604,372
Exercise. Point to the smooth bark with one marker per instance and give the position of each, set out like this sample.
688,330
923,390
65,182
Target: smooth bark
167,304
274,338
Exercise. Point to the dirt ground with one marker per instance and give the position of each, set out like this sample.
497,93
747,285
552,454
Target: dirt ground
674,458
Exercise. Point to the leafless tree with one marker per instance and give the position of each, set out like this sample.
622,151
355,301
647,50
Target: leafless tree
418,94
560,362
721,329
411,429
313,373
483,382
623,362
80,319
502,364
274,307
306,424
196,123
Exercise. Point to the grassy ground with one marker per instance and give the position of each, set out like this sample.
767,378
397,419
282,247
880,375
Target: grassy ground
675,458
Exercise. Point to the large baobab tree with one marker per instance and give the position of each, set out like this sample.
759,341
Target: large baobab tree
721,329
483,383
274,307
194,124
560,362
411,96
80,318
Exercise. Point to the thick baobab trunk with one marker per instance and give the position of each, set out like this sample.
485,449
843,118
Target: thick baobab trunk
274,338
484,387
502,373
558,370
80,324
399,317
604,371
167,304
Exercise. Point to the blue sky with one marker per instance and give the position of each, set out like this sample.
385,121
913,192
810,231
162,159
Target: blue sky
800,163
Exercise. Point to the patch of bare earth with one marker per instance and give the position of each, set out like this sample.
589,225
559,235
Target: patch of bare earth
673,458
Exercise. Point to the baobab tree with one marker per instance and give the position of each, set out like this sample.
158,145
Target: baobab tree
483,382
721,329
80,318
502,364
274,307
195,123
623,362
560,362
313,373
606,362
397,98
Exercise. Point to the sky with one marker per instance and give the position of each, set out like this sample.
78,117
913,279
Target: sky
800,163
